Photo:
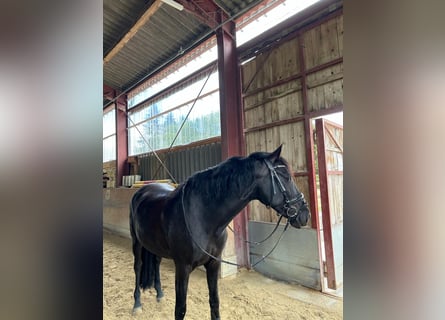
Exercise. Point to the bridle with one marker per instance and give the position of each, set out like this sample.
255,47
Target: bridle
290,211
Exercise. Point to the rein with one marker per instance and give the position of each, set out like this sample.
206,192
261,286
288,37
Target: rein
260,242
219,259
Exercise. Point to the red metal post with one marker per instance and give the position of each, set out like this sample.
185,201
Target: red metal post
325,210
309,141
109,92
232,136
205,10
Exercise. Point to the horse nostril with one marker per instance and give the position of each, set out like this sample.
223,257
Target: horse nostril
303,218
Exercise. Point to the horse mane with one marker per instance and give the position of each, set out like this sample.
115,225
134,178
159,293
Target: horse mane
231,177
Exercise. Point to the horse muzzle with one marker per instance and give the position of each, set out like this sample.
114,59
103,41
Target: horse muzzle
300,217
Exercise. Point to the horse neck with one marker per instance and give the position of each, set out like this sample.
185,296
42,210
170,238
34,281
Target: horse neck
219,214
228,204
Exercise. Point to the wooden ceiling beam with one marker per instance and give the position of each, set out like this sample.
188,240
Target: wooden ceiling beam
134,29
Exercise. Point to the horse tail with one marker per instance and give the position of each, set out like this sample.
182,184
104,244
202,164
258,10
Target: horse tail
148,269
149,262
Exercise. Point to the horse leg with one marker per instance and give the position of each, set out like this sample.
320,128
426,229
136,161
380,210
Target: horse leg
137,250
212,268
159,293
181,284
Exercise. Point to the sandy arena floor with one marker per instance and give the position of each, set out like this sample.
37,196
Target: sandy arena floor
247,295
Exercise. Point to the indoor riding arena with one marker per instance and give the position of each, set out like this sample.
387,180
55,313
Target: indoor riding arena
188,85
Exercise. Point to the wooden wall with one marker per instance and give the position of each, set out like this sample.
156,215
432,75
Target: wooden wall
284,88
324,44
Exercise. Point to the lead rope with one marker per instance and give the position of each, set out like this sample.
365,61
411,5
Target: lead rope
212,256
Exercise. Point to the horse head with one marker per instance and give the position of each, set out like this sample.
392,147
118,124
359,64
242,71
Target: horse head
276,188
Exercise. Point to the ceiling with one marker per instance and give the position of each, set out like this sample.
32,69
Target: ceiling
142,36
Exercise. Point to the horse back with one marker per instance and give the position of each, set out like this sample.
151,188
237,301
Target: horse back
147,217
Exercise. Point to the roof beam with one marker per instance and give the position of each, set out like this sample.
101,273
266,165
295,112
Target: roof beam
109,92
134,29
207,11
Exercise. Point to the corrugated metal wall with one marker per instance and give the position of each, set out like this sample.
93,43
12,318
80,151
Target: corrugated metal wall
182,163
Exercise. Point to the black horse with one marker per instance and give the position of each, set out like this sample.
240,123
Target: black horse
188,224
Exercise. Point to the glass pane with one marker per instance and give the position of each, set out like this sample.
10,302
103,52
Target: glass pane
109,148
205,58
109,123
160,132
176,99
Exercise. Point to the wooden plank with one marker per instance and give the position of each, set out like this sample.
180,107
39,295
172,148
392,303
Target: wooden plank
247,72
316,98
325,88
291,105
309,47
340,35
322,43
273,140
134,29
255,117
334,139
335,187
275,65
270,95
284,61
292,137
333,93
330,41
256,141
330,78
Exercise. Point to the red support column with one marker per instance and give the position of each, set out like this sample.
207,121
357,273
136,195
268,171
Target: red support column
309,140
121,139
325,208
232,135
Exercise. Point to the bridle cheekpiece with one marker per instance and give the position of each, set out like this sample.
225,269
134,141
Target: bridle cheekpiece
290,210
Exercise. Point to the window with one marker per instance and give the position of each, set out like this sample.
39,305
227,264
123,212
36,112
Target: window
156,125
109,136
209,55
264,22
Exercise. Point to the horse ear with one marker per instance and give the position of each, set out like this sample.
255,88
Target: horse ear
275,155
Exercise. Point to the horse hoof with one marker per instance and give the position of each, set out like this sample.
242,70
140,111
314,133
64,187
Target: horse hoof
159,297
137,310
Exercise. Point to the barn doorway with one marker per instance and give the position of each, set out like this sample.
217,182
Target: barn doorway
328,135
